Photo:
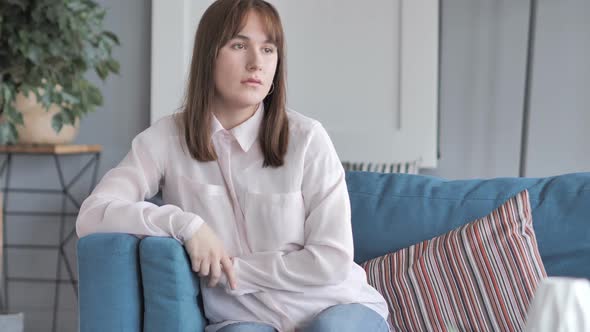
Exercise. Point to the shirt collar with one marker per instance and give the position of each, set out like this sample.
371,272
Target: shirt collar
247,132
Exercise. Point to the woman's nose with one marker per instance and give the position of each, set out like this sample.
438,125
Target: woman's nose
254,67
254,61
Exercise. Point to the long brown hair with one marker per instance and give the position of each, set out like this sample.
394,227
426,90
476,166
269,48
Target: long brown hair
222,21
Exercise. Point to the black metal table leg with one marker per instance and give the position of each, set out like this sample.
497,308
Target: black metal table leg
64,238
6,165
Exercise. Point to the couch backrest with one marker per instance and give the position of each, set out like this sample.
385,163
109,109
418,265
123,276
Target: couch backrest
393,211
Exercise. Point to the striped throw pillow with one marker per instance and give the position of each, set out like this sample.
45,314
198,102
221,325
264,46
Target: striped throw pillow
407,167
479,277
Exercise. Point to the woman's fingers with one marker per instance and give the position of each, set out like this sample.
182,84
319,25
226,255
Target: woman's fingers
215,273
196,264
205,264
228,268
213,268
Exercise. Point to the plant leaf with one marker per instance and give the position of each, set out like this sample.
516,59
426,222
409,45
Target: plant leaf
8,133
113,65
101,71
21,3
57,122
34,54
112,37
94,95
13,114
68,98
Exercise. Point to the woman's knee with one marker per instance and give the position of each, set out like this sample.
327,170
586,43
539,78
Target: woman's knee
347,318
247,327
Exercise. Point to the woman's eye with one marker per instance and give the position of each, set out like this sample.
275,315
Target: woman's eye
238,46
268,50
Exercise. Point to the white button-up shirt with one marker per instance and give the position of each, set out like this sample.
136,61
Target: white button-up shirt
288,228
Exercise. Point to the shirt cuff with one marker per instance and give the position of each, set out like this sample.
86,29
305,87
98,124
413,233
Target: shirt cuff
190,229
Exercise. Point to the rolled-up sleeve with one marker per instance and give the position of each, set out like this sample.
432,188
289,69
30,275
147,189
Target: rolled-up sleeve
116,205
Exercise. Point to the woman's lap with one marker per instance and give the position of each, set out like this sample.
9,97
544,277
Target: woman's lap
247,327
352,317
339,318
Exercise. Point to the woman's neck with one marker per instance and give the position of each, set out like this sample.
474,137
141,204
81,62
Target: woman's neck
231,117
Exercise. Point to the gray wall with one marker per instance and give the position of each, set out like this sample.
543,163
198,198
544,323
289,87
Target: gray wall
482,84
560,119
482,88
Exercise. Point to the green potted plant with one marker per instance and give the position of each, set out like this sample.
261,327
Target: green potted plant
46,47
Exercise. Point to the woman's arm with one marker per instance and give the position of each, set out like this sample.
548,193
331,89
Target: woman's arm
327,254
117,203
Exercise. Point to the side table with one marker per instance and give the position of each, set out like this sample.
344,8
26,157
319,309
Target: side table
56,152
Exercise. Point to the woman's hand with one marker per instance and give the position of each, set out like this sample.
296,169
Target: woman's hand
208,257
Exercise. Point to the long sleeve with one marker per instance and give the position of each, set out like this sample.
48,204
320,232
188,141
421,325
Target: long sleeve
117,202
327,254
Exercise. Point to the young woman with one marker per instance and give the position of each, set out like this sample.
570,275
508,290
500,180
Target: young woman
255,192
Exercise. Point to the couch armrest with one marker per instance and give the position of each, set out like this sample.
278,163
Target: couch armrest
110,296
171,290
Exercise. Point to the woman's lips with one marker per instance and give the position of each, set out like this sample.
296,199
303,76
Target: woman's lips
252,81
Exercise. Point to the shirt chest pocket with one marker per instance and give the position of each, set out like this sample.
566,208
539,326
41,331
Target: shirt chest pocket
274,221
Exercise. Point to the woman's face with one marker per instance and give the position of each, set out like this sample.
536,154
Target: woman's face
245,66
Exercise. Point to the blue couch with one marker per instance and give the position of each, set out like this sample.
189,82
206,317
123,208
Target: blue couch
128,284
